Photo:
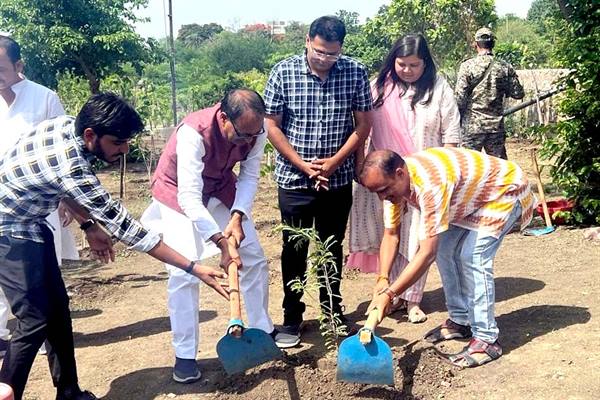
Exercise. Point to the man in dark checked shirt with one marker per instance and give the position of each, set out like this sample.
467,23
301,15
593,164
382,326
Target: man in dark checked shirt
50,164
318,115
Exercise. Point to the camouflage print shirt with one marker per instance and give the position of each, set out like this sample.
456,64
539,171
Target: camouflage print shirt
480,101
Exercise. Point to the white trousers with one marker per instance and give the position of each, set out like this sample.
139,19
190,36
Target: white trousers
64,246
64,241
183,288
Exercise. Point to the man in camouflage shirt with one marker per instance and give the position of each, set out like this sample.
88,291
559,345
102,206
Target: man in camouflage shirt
481,86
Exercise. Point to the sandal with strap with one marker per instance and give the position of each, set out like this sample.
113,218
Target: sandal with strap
454,331
415,314
476,353
398,304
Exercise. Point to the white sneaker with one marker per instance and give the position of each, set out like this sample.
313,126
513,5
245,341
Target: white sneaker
288,336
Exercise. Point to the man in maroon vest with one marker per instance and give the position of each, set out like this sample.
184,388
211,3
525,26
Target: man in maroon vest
201,203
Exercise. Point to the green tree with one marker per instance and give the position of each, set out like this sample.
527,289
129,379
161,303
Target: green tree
575,147
448,25
73,92
289,44
206,92
151,99
236,52
350,19
520,43
541,11
295,35
193,35
253,79
90,38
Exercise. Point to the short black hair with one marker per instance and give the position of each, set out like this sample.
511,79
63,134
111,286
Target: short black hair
387,161
109,114
13,50
330,28
238,101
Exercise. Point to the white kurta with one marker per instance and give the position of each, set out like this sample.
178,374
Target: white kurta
33,104
189,234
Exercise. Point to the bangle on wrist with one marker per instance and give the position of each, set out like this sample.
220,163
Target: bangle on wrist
390,293
219,239
383,277
190,267
238,212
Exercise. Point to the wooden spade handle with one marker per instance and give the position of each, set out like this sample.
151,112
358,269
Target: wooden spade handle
540,189
366,334
235,308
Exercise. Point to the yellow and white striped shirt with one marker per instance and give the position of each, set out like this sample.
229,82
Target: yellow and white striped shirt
465,188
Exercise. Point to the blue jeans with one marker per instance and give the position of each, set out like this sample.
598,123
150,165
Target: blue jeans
465,259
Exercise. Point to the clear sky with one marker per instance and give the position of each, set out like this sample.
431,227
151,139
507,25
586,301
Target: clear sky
237,13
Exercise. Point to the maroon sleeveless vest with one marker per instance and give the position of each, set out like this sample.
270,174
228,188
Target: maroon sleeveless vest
220,157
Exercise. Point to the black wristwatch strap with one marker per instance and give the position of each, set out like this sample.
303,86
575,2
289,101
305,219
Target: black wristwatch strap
190,267
85,225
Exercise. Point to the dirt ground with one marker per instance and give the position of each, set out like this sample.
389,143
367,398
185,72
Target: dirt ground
548,289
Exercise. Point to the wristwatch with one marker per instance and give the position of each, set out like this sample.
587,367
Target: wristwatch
190,267
87,224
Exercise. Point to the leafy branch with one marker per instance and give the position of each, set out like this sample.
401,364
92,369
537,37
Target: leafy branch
319,275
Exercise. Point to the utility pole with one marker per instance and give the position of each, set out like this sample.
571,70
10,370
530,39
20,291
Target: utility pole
172,64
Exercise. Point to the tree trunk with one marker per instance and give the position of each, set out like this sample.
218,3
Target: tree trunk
565,9
94,85
90,74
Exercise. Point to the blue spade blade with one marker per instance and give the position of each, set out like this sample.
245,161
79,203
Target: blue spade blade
371,363
253,348
538,231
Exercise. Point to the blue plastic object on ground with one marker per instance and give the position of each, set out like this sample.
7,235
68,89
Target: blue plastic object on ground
538,231
367,361
254,347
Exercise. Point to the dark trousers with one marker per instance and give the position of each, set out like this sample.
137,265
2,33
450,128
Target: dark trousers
328,212
493,143
32,282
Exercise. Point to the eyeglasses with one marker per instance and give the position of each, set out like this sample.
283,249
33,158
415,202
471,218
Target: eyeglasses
323,55
247,136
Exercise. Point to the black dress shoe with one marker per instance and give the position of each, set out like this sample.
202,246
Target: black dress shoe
75,394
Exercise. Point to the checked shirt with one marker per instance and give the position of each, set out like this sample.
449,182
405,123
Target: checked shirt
50,163
317,115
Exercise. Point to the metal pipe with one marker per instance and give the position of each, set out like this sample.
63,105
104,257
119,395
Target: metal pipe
172,65
529,102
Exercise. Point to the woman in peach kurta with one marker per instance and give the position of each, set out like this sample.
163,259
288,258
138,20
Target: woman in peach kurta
414,109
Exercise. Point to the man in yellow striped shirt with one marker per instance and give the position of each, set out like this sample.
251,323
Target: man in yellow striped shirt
467,201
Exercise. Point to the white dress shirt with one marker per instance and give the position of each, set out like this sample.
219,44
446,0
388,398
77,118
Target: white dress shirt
190,152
